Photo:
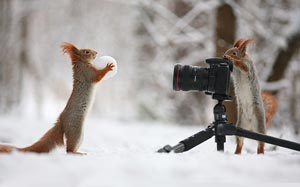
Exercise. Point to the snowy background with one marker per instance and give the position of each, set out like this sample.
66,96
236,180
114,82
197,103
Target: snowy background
136,112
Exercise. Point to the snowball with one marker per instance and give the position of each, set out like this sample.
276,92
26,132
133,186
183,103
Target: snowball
101,62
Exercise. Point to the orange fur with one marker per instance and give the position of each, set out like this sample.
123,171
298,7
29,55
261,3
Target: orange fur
261,148
238,43
6,148
71,50
243,46
241,65
270,104
102,72
238,149
52,138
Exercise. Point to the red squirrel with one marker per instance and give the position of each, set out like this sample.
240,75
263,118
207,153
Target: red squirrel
70,121
255,108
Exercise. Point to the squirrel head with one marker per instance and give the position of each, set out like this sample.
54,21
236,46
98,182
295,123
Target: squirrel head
78,55
237,55
238,52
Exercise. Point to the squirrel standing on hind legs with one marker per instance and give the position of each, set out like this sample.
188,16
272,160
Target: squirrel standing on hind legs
255,108
70,121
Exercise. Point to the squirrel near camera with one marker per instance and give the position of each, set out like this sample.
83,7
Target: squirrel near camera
256,108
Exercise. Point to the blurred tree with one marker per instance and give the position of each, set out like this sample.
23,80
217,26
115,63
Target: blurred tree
284,58
175,32
294,100
225,37
11,75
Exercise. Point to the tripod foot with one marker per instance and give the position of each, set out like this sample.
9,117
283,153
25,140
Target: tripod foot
165,149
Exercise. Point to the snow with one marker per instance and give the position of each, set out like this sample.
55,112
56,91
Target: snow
101,63
124,154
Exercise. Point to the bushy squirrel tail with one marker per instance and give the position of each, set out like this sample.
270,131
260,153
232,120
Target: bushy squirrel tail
6,148
270,105
52,138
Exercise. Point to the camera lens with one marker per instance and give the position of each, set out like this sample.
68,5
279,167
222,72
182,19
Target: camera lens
190,78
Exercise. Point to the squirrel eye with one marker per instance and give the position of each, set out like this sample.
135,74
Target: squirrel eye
234,54
87,52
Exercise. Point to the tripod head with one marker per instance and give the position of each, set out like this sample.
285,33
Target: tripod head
221,97
219,109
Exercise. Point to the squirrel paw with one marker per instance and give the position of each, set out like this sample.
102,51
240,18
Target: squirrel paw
110,66
77,153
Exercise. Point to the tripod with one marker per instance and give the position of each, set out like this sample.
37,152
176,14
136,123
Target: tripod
220,128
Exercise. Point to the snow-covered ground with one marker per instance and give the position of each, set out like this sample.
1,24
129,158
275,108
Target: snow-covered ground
124,154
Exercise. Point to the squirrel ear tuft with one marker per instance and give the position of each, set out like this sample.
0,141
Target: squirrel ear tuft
238,42
246,42
68,48
71,50
243,46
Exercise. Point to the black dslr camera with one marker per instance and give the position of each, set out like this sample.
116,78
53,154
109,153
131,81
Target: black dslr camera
214,80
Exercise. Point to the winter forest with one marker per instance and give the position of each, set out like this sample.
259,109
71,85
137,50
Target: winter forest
147,38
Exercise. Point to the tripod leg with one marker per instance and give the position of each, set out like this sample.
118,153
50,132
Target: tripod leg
267,139
189,142
197,139
220,140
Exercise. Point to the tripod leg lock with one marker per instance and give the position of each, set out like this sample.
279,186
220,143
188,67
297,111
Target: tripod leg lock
225,129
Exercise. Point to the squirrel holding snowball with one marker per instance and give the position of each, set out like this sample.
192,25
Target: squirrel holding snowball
70,122
255,108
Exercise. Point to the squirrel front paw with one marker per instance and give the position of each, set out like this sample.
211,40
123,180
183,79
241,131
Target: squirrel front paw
109,66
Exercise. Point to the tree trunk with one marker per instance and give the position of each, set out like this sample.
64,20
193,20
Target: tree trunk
283,58
294,103
9,75
224,39
12,58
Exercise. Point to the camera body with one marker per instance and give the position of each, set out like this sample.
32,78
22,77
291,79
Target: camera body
214,80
